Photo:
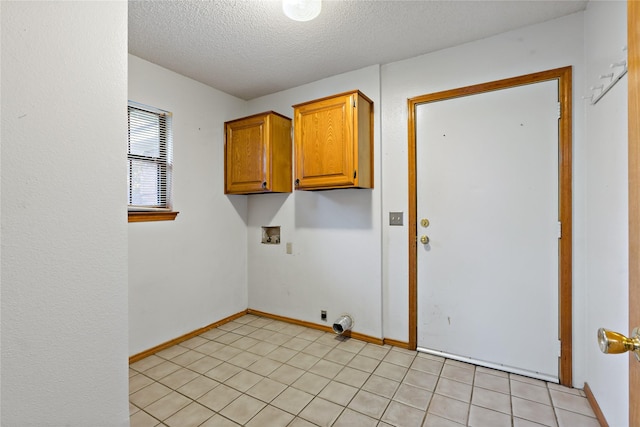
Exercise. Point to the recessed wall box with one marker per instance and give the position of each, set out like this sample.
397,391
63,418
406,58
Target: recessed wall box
271,235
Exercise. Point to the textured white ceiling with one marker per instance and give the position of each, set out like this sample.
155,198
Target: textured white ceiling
248,48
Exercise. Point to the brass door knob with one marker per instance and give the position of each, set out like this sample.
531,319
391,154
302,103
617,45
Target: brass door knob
611,342
424,240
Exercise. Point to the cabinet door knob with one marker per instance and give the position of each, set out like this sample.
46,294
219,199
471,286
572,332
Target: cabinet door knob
264,185
297,182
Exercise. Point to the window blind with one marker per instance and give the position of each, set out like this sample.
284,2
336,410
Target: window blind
149,158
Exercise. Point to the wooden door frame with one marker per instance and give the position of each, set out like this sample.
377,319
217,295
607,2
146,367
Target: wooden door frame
633,75
563,76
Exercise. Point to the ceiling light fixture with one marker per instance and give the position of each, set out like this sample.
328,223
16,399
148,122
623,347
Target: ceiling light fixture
301,10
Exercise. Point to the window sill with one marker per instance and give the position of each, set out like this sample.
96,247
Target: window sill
151,216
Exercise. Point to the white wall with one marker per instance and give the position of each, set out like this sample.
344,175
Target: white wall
549,45
191,272
345,256
606,285
335,235
64,236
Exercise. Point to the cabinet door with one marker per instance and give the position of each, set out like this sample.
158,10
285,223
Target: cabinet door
246,156
324,143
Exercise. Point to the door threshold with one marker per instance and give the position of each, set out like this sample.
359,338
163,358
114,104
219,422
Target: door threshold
491,365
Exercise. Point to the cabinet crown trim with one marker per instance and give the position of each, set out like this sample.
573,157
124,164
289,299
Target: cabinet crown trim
337,95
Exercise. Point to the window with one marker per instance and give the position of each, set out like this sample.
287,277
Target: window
149,158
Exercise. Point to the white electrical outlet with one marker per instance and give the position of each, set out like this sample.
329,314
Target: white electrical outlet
289,248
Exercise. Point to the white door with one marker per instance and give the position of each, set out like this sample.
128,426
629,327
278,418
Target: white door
487,182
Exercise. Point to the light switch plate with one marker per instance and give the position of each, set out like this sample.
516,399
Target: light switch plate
395,218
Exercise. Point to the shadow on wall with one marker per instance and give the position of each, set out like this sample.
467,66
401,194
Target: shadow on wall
239,202
266,206
335,209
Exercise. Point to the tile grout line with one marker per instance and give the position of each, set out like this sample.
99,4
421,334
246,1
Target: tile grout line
473,382
513,417
368,372
555,412
426,410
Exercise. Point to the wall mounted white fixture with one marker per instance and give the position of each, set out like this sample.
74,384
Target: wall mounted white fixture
301,10
619,70
342,324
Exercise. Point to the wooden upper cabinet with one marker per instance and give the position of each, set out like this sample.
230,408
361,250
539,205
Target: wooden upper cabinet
257,154
334,142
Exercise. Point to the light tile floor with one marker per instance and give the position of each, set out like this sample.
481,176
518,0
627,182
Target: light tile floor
259,372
